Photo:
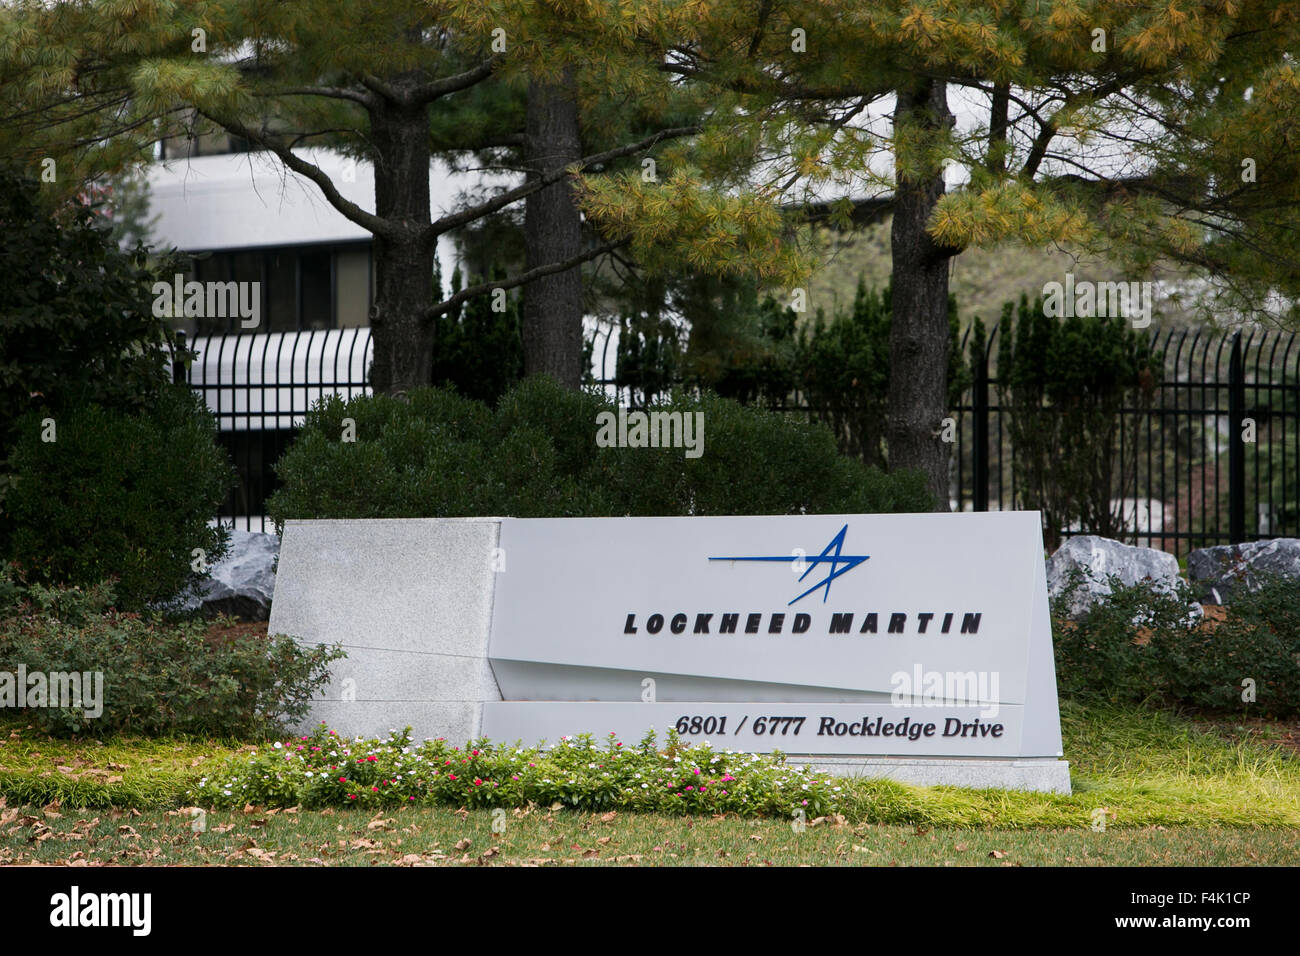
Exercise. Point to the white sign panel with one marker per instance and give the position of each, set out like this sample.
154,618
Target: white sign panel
920,635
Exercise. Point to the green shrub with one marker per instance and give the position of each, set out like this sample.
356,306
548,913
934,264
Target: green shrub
1146,645
120,495
158,677
536,455
76,326
326,770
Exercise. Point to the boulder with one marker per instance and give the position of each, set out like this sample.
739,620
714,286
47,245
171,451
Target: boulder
242,583
1219,572
1099,558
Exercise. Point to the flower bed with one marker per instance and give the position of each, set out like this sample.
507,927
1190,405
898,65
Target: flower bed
324,769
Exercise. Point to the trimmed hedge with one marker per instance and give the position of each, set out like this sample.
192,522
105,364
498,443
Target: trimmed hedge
536,455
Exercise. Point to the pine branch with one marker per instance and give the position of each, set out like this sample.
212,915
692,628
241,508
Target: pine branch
536,272
333,92
427,92
473,213
376,225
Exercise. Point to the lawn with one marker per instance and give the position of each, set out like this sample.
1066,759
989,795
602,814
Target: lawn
1170,791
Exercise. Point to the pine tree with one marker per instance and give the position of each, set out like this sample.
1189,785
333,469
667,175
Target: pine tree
1153,132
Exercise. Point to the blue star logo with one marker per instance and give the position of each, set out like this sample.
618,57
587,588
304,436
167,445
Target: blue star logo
831,554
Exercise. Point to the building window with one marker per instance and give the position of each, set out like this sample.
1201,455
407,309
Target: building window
315,287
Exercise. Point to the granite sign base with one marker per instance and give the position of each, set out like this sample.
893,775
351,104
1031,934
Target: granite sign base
410,600
451,628
1036,774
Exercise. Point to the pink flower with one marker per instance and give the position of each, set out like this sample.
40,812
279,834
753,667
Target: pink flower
374,789
343,779
690,788
478,782
697,771
451,776
475,753
352,796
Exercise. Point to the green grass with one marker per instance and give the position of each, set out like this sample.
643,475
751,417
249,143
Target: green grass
1144,769
120,772
439,837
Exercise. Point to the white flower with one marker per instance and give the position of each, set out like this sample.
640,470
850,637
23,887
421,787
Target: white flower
278,745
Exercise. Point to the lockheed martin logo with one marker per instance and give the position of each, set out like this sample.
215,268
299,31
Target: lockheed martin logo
831,554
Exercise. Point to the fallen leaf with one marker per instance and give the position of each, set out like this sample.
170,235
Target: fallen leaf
603,840
463,845
996,854
606,817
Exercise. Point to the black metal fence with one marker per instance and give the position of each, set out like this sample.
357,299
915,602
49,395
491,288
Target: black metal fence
1193,476
259,388
1214,458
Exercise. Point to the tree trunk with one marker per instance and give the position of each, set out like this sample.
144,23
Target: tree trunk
918,335
402,336
552,314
